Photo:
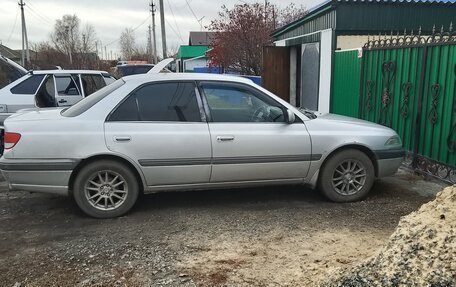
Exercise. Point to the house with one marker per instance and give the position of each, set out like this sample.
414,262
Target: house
11,54
299,67
192,57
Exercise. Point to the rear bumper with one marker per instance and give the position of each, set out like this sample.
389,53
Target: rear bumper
389,161
47,176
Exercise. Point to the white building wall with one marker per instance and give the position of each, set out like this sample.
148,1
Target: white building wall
189,65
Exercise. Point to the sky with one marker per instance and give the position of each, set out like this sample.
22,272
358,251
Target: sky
111,17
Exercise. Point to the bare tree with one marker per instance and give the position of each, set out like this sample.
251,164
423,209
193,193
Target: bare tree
290,14
86,55
127,43
66,36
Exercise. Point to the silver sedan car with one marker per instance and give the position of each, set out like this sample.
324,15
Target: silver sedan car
168,132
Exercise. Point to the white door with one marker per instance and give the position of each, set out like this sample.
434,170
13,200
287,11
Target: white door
67,90
250,139
162,128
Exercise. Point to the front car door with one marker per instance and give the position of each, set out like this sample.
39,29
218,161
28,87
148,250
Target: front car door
250,139
162,128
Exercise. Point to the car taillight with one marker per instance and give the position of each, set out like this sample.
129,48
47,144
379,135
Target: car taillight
11,139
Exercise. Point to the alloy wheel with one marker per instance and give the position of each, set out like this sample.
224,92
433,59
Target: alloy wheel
349,177
106,190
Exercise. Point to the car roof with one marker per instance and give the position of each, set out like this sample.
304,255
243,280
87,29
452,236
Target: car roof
186,77
39,72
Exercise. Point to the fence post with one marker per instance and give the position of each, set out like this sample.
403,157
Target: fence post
419,108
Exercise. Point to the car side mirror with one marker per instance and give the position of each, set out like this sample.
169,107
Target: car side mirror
289,116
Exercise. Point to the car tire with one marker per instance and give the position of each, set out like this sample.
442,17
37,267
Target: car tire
347,176
105,189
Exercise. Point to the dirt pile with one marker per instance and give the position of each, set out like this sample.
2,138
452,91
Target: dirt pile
421,252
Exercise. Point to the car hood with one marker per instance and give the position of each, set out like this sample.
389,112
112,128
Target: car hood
338,123
346,120
36,114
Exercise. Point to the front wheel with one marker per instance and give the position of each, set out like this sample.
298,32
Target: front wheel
347,176
105,189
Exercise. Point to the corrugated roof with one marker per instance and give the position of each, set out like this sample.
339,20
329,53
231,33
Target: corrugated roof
187,52
330,4
9,53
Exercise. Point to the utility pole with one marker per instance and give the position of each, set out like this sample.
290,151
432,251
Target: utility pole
149,44
162,22
25,55
84,52
106,54
98,58
67,30
154,39
101,50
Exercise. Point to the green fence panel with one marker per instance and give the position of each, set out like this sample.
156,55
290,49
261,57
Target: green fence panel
346,79
391,88
409,84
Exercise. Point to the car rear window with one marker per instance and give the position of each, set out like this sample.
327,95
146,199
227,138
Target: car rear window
28,86
88,102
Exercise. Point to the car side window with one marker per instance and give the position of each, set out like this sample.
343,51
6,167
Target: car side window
234,103
92,83
160,102
28,86
66,86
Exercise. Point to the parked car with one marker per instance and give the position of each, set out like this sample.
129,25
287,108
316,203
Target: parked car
132,69
50,88
9,71
168,132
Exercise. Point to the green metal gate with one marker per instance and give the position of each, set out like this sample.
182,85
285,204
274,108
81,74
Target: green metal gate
408,83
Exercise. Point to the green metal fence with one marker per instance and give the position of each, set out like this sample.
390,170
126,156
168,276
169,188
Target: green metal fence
408,83
347,71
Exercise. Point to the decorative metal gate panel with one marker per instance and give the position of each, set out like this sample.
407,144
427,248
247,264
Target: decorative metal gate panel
408,83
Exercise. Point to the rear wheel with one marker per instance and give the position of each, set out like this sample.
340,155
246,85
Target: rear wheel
347,176
105,189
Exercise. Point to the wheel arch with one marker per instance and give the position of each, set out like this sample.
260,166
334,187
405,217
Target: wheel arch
138,174
367,151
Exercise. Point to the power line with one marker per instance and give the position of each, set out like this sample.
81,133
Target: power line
194,15
191,10
175,22
14,27
39,12
179,36
37,16
134,29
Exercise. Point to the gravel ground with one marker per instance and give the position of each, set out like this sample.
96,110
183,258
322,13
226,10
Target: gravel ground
275,236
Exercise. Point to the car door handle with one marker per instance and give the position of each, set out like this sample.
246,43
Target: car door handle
225,138
62,101
122,138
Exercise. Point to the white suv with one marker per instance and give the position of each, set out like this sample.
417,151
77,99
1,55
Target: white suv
50,88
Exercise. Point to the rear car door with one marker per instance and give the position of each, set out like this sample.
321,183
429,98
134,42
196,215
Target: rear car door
162,127
67,90
92,83
250,139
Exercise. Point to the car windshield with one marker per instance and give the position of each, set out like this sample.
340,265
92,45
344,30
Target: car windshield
133,69
88,102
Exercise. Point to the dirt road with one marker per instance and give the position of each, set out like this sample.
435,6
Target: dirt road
278,236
